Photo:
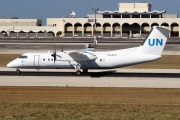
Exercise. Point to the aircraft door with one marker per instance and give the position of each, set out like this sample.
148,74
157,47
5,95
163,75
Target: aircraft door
36,60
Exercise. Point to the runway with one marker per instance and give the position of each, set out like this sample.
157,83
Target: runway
97,74
142,78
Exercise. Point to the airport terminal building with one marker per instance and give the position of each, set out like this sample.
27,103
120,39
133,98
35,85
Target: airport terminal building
131,20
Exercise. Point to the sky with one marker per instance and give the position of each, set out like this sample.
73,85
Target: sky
42,9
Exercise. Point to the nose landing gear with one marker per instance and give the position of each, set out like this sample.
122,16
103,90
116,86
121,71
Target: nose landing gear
18,71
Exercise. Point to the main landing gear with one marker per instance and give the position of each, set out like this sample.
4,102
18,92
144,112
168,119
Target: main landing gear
77,67
78,71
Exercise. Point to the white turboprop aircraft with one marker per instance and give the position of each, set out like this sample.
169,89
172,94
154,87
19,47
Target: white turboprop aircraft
150,50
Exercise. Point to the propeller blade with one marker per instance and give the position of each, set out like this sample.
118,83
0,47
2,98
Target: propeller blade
55,48
54,54
62,48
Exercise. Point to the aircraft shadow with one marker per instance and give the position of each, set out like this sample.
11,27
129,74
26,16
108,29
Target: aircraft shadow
111,73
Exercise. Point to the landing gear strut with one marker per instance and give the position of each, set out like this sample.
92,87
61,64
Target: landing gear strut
77,68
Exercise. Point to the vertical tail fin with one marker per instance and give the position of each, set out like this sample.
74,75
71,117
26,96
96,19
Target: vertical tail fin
155,41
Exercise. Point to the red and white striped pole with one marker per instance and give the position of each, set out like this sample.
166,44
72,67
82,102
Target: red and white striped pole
95,9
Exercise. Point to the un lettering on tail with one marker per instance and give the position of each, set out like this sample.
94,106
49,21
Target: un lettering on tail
155,42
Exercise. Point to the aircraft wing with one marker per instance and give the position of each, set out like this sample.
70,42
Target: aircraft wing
79,51
82,55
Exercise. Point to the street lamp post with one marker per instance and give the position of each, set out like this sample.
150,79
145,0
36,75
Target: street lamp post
95,9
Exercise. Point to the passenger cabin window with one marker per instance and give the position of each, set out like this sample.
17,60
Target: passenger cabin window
102,59
23,57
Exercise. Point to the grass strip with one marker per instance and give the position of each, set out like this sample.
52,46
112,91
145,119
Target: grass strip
69,103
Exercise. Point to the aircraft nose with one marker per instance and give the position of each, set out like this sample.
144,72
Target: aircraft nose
11,64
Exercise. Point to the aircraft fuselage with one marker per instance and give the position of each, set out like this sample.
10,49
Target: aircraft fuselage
104,60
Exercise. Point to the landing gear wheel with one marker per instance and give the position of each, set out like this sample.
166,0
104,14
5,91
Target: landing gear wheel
85,70
18,71
78,72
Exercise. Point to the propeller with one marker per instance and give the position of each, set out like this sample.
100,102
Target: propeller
54,54
62,48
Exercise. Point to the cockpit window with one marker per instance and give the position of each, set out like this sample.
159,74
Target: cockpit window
23,57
